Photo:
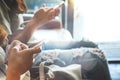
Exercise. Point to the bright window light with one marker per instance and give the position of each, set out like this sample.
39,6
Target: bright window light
98,20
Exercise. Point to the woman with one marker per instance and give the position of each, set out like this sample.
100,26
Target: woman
9,11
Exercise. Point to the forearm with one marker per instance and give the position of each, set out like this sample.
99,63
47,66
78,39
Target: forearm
25,34
42,16
11,75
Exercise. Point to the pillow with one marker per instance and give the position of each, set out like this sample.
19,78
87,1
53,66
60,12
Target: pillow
50,35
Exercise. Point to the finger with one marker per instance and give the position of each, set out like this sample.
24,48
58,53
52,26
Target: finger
35,50
57,11
16,48
23,46
31,51
51,14
14,43
49,10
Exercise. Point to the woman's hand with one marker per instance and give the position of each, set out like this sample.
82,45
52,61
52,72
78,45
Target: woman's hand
20,59
43,15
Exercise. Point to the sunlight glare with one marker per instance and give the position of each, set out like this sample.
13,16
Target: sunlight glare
101,19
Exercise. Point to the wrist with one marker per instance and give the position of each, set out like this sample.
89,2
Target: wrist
33,24
12,75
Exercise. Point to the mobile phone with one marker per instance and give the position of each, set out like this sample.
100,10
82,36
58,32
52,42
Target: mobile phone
39,44
60,5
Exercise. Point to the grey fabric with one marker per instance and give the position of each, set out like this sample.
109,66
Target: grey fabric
2,56
71,72
54,72
2,64
3,72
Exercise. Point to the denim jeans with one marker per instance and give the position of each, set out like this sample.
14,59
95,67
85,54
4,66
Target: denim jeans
68,45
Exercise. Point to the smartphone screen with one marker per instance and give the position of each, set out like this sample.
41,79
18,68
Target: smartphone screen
39,44
60,5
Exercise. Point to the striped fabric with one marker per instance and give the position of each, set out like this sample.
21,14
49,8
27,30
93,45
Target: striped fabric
2,72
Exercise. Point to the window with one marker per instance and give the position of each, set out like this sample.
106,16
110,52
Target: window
97,20
94,20
36,4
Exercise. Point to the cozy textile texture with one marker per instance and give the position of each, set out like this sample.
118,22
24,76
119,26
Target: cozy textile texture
92,60
65,57
54,72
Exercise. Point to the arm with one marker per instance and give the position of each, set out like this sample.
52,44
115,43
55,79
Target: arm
23,35
52,24
20,59
42,16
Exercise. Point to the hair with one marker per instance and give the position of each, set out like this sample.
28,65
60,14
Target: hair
3,35
19,6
